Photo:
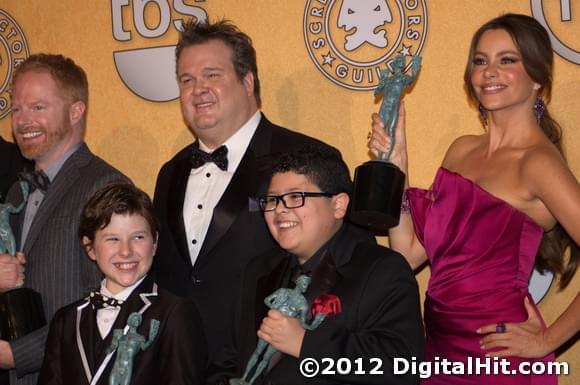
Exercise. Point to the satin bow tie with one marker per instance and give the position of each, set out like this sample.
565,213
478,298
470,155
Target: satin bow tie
35,179
219,157
100,301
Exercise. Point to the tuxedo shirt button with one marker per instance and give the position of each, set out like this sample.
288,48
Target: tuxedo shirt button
193,241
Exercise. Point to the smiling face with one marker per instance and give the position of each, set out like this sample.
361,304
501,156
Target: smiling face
303,230
215,103
44,123
498,76
123,250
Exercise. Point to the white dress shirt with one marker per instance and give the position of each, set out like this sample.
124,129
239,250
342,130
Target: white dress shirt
207,184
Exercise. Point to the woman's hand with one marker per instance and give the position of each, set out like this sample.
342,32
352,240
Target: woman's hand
378,140
526,339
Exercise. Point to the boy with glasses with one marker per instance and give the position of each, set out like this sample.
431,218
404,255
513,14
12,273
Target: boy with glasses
371,288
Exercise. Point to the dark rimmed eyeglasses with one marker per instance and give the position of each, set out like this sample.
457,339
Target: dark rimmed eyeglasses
290,200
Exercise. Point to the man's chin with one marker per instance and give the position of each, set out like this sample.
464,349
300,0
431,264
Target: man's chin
204,129
29,152
201,125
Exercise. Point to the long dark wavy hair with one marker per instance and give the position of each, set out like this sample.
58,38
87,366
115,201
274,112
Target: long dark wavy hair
533,43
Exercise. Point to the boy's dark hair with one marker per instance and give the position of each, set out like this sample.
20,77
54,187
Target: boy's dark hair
243,52
323,166
115,198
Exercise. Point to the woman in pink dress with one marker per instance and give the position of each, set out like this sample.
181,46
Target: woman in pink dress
501,203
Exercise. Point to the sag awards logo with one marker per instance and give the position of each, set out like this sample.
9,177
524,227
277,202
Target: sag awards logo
350,41
556,17
149,72
13,50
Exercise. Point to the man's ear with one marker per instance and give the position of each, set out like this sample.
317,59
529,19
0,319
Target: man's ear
77,112
248,82
340,202
88,245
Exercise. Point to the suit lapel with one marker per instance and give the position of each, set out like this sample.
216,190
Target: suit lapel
86,334
266,285
324,278
65,179
326,275
268,269
232,203
140,301
246,183
175,199
94,350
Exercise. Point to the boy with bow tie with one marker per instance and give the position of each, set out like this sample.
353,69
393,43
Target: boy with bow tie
119,232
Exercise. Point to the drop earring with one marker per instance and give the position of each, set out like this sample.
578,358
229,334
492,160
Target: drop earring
539,108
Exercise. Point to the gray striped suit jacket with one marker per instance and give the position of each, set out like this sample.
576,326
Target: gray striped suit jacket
56,264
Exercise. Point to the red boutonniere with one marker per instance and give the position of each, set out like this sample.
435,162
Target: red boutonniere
328,304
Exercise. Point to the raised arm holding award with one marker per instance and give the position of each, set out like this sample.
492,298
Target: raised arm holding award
379,184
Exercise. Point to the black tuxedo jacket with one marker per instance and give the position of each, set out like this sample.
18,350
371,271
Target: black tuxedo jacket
380,318
76,353
11,163
236,234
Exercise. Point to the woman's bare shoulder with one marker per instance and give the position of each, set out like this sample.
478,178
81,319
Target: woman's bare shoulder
460,147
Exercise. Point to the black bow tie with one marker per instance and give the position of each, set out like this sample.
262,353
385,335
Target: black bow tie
35,179
219,157
100,301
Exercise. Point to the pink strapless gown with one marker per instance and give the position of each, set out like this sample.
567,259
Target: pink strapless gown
482,253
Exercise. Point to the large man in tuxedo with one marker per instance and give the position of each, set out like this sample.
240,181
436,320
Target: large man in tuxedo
49,100
210,225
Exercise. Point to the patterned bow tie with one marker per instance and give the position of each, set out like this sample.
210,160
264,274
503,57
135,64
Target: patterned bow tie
35,179
219,157
100,301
